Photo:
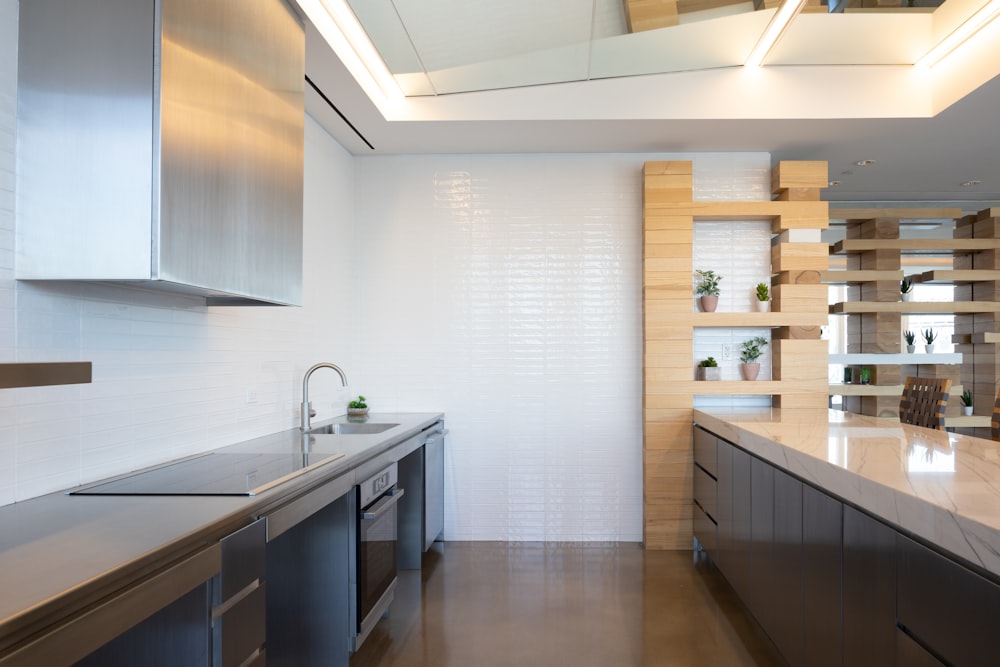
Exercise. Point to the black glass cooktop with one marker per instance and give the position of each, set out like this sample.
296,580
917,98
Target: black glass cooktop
211,474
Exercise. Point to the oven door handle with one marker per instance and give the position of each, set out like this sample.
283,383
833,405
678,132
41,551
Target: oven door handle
383,505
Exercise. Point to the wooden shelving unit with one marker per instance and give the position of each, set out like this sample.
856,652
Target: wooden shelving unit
874,249
799,308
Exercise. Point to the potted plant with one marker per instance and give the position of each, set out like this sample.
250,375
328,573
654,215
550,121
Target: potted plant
708,290
865,375
357,408
906,289
967,403
708,369
929,337
910,341
763,297
750,351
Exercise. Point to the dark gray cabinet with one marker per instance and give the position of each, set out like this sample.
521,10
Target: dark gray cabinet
822,562
869,591
421,511
761,600
787,560
706,493
948,609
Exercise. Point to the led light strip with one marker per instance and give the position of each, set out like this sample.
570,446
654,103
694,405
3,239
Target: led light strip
342,31
780,21
961,34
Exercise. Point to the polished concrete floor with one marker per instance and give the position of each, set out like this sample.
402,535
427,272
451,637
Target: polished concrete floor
485,604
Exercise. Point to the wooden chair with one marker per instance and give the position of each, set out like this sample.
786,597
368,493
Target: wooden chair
923,402
995,421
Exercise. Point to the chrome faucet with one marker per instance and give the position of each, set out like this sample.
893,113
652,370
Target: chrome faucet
305,389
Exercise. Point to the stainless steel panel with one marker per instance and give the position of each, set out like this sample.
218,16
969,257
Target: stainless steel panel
434,489
232,122
242,559
241,631
288,516
85,139
161,144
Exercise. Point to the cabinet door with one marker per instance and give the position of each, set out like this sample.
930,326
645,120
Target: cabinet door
947,607
869,591
787,559
724,507
912,654
705,450
761,600
822,562
741,523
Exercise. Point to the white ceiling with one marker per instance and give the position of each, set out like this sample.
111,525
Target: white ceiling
836,113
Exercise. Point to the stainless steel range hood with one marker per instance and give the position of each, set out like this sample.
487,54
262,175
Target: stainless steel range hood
160,144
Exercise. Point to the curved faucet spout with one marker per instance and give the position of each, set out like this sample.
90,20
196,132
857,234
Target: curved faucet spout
305,389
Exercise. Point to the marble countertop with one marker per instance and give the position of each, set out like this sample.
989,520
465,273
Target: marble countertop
58,553
941,487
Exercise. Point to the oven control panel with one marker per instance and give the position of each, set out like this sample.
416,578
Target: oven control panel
377,484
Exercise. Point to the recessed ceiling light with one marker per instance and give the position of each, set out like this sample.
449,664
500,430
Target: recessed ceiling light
971,184
833,184
865,163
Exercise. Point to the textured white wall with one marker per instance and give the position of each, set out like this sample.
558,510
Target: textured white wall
506,291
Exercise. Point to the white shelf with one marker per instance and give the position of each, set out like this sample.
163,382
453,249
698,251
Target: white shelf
857,359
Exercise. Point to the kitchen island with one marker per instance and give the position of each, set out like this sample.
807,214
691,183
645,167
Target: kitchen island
853,539
68,561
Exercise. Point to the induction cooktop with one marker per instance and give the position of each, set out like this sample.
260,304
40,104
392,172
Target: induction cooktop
212,474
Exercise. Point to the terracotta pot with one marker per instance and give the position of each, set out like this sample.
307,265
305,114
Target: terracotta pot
763,306
750,371
708,303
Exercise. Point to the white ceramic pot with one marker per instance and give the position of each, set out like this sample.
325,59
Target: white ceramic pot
750,371
711,373
910,349
929,349
967,410
906,295
763,306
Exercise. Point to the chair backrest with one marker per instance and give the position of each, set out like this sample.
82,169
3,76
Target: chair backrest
923,402
995,421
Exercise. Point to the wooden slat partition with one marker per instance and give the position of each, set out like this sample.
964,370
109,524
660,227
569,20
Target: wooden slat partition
670,317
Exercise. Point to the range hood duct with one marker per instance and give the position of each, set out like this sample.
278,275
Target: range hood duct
160,144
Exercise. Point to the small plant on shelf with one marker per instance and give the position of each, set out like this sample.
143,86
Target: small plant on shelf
708,290
906,288
763,297
708,369
750,351
929,337
910,339
967,402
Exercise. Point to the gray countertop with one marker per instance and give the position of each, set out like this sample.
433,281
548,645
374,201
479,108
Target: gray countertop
60,553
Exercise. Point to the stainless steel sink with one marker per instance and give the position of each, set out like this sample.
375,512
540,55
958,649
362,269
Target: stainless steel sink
352,428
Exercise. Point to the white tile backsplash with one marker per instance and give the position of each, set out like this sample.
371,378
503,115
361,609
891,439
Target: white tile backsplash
502,290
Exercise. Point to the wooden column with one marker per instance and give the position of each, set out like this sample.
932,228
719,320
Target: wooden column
667,358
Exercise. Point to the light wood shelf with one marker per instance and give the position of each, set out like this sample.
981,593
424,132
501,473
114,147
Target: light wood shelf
975,421
901,213
950,277
915,246
751,320
987,337
866,390
803,214
742,387
846,277
915,307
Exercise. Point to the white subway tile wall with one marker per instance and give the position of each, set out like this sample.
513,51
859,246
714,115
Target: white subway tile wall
506,290
502,290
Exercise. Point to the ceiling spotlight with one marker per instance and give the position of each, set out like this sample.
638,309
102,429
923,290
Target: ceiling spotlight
971,184
833,184
865,163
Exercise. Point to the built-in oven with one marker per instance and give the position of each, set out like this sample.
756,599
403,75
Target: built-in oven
376,550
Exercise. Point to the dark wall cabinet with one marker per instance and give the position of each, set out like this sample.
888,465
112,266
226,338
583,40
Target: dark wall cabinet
831,585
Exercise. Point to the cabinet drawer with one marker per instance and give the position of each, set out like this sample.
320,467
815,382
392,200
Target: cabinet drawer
705,531
705,489
946,607
705,453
